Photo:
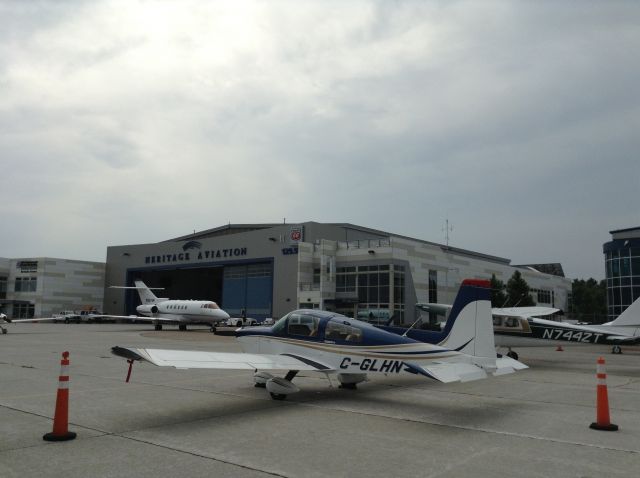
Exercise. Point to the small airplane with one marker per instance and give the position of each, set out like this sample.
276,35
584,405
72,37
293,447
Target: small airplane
523,327
335,345
161,310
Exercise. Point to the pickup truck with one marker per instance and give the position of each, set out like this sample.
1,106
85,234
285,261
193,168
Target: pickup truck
68,316
240,322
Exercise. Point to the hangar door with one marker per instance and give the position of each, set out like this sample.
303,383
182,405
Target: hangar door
249,288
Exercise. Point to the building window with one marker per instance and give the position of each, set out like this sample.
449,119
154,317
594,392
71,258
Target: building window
26,284
27,266
543,296
3,287
23,311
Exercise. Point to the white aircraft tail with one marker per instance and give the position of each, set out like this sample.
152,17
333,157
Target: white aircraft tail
630,317
146,296
470,331
470,324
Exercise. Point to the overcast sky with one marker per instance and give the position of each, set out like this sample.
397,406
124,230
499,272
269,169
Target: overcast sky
125,122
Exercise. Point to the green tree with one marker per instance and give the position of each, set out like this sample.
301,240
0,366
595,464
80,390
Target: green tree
589,299
498,297
518,292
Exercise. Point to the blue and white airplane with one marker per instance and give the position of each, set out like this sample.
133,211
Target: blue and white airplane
335,345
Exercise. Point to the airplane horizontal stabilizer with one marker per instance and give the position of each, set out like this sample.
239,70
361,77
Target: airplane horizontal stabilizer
186,359
449,372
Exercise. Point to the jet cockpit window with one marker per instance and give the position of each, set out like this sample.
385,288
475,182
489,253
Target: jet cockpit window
336,330
210,305
302,324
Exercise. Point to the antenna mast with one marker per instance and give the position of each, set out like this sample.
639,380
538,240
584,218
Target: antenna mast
446,230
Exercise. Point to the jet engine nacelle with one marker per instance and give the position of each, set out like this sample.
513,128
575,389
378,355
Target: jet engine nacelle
147,309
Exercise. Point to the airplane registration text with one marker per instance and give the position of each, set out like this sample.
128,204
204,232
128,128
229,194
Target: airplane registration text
570,335
372,365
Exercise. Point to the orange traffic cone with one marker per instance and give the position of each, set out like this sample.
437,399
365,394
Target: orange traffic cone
61,418
559,348
602,407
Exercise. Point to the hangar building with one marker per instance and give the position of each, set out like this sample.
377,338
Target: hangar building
267,270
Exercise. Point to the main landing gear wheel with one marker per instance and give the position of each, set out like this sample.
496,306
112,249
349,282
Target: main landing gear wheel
213,329
616,349
182,327
348,386
158,327
4,331
278,396
512,355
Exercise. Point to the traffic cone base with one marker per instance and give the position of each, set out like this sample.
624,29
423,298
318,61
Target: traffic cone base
608,428
54,437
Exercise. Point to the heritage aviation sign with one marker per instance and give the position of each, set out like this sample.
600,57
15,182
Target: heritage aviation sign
196,255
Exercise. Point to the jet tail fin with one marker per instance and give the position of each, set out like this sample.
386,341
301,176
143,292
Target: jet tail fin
146,296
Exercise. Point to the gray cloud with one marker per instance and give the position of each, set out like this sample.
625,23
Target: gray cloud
142,121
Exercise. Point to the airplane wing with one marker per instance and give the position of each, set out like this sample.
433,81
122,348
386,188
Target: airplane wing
185,359
174,320
42,319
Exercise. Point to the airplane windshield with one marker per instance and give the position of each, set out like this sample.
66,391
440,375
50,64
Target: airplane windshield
302,324
338,330
278,327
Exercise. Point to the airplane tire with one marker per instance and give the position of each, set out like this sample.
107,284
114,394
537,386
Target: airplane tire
616,349
4,331
278,396
182,327
213,330
512,355
158,326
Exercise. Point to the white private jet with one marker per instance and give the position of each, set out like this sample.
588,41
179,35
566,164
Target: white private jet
161,310
524,327
332,344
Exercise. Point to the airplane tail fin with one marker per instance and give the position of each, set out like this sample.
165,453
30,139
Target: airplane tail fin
469,328
630,317
146,296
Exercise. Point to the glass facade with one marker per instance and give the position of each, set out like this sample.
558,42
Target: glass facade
622,259
374,286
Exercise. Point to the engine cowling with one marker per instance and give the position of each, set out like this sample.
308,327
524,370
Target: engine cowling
147,309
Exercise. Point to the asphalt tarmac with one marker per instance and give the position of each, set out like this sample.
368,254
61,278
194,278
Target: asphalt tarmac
197,423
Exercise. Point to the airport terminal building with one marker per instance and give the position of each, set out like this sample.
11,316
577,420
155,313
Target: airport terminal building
42,286
267,270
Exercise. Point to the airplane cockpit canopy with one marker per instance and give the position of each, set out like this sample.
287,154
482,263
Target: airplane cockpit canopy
210,305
